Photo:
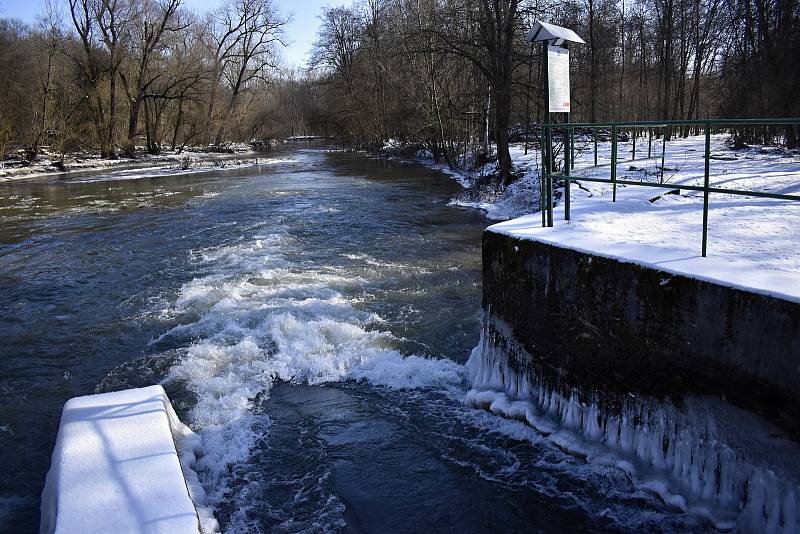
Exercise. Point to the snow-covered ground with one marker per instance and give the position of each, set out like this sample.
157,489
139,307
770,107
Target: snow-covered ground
752,242
167,163
123,463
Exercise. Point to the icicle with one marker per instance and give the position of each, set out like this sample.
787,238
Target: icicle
641,445
789,512
612,432
727,490
695,472
544,399
772,505
626,432
510,381
669,458
572,415
710,464
683,459
524,387
591,429
753,513
657,441
545,403
553,408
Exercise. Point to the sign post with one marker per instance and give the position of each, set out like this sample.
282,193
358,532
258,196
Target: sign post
555,73
559,102
545,184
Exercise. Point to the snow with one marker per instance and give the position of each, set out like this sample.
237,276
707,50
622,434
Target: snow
303,138
752,242
122,463
748,274
126,168
159,172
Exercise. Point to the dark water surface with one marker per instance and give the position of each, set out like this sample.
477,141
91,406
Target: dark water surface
309,318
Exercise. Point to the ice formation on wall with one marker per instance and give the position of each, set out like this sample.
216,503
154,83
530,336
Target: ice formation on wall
700,455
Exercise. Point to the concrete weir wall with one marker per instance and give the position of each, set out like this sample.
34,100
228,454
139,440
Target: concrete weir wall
612,329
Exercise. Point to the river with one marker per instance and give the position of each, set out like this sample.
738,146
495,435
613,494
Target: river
310,318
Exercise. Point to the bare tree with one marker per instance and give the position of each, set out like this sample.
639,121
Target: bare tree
153,20
242,46
114,20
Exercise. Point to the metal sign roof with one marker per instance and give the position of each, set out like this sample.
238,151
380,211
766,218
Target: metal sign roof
544,31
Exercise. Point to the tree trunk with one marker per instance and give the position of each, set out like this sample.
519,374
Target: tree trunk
178,120
224,119
212,97
501,121
487,149
133,125
592,65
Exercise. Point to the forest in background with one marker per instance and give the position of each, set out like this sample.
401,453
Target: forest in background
453,76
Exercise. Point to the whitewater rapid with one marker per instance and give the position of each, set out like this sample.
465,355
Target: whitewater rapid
257,320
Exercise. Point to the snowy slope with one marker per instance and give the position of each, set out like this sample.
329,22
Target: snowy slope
116,468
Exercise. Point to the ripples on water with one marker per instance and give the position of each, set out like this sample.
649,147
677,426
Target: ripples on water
310,321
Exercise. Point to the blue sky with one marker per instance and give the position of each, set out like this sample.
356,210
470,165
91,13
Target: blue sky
300,33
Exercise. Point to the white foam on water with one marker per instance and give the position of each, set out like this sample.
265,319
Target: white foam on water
410,372
367,260
703,457
256,319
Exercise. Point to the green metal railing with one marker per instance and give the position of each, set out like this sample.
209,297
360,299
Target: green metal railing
548,177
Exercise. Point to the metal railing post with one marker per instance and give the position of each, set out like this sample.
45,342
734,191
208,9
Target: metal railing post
594,134
614,163
634,144
663,151
572,147
549,176
705,187
649,143
542,179
567,164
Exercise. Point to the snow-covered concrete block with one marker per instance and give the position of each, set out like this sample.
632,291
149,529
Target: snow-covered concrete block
122,464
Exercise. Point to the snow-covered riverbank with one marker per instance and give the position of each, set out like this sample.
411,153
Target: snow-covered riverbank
166,163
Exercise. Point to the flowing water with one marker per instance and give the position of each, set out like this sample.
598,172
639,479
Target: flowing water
310,318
